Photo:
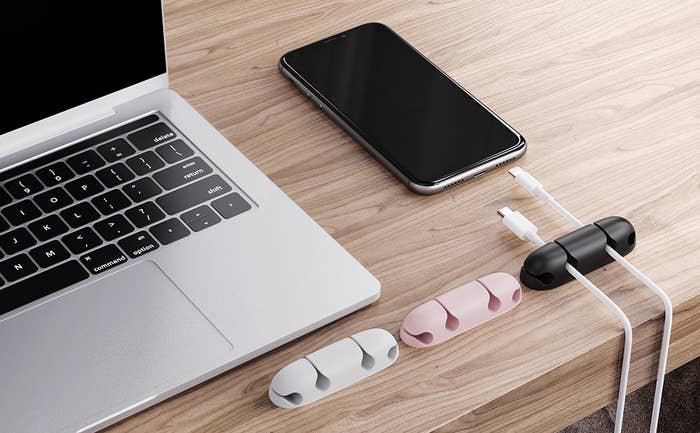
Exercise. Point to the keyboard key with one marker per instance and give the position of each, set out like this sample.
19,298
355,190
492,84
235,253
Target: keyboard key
193,194
182,173
3,226
145,163
145,214
111,201
103,259
200,218
80,214
115,150
142,189
21,212
48,227
231,205
84,187
55,173
81,240
113,227
49,254
85,161
148,137
114,175
24,186
40,285
169,231
4,197
16,240
17,267
53,200
138,244
174,151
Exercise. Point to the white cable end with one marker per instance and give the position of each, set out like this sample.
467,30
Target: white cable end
517,223
526,180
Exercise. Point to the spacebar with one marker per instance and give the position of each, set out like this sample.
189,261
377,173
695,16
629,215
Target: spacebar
40,285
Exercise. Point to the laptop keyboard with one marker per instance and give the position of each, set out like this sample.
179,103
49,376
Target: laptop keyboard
99,203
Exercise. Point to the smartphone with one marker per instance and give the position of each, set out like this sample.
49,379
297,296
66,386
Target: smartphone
422,125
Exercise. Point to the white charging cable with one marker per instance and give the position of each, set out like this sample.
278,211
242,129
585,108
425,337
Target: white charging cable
527,181
524,229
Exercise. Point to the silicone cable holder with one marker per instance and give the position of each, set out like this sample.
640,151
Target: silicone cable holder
584,248
460,310
333,368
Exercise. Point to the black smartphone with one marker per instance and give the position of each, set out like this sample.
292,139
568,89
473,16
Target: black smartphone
422,125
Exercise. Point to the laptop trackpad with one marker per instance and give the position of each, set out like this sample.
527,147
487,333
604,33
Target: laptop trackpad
98,350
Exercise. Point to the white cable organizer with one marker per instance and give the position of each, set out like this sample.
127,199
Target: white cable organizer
333,368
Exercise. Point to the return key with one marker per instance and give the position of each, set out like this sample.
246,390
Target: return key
182,173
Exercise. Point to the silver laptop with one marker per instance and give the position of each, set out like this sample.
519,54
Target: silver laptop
141,252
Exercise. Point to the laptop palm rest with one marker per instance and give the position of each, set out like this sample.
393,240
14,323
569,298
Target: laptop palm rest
83,357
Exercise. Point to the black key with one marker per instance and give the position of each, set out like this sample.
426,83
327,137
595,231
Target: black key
21,212
115,150
114,175
3,226
148,137
48,227
49,254
16,240
81,240
145,163
230,205
141,189
111,201
174,151
200,218
84,187
169,231
145,214
17,267
103,259
193,194
24,186
4,197
80,214
182,173
113,227
40,285
53,199
85,161
138,244
55,173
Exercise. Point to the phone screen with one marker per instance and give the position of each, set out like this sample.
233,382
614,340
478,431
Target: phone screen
425,124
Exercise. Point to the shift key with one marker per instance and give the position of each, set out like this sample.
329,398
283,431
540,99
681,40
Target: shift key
193,194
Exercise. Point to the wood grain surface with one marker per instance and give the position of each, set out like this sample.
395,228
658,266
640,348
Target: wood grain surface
607,94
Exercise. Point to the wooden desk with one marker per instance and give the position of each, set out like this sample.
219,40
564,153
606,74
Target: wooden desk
608,96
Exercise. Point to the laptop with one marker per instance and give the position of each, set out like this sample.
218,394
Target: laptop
141,252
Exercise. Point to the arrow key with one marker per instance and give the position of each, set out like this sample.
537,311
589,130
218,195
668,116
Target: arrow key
169,231
200,218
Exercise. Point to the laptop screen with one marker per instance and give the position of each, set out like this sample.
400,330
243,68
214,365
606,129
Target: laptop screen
60,54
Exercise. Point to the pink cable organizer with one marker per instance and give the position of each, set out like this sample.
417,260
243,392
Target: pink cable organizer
460,309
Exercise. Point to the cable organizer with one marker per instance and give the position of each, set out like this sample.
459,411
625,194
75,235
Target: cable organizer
460,310
333,368
584,249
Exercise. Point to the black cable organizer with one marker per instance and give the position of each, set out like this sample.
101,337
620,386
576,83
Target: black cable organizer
584,249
